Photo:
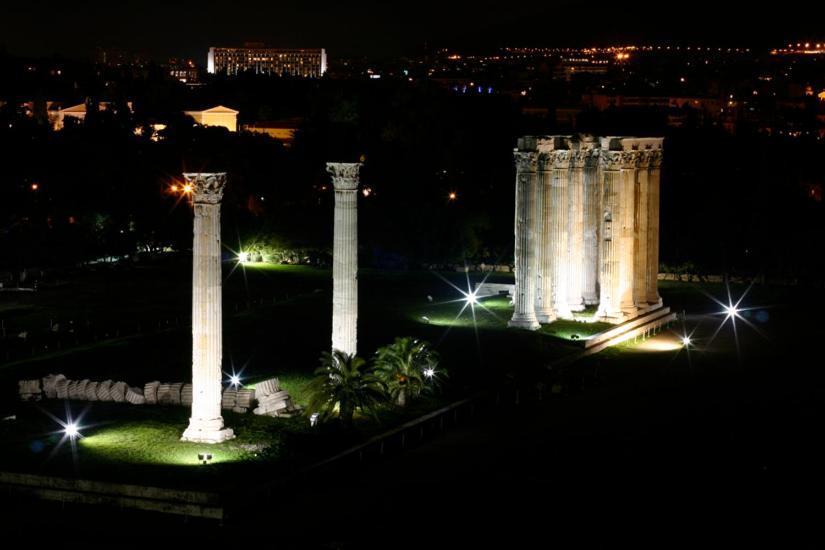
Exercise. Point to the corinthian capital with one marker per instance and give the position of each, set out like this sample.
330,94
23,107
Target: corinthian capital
656,158
526,161
207,188
345,175
560,159
644,159
580,157
620,160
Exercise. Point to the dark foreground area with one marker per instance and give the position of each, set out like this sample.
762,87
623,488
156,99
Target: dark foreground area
644,448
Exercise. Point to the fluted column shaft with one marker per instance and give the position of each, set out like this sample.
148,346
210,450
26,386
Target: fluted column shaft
206,422
630,160
345,179
544,257
609,253
652,275
575,226
524,297
592,210
559,245
640,234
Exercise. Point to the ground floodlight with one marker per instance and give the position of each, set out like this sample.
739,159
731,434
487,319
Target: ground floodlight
71,430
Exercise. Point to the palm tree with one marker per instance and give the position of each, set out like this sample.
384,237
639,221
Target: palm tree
407,368
342,384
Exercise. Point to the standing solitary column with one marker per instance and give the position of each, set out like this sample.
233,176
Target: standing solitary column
524,296
345,178
559,245
206,422
652,275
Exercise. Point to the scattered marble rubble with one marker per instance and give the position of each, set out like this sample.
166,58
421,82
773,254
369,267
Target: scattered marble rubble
273,401
270,398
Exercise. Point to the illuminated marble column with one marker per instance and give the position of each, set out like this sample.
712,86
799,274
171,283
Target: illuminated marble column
559,245
575,229
524,297
640,232
627,221
652,275
206,422
609,253
544,194
345,179
592,211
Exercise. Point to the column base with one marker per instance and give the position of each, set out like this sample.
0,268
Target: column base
207,431
628,312
563,312
545,316
608,316
525,323
657,302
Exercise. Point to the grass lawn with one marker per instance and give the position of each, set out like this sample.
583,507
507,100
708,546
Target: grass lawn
283,336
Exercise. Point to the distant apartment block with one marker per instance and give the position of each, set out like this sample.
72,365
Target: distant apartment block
183,70
304,62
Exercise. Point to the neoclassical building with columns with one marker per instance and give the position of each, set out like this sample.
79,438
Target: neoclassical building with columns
586,227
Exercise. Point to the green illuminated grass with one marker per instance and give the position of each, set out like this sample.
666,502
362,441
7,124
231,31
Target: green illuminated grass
141,444
494,312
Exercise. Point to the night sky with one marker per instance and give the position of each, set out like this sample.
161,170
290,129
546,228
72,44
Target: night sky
164,28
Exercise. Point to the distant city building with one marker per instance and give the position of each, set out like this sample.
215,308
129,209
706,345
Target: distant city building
115,57
216,116
78,112
304,62
183,70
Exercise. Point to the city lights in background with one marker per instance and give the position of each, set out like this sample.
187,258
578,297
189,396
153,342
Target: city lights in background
452,196
35,186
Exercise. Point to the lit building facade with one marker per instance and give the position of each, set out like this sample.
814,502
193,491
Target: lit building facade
304,62
216,116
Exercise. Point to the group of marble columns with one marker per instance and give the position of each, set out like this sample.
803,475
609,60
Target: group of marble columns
586,227
206,423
